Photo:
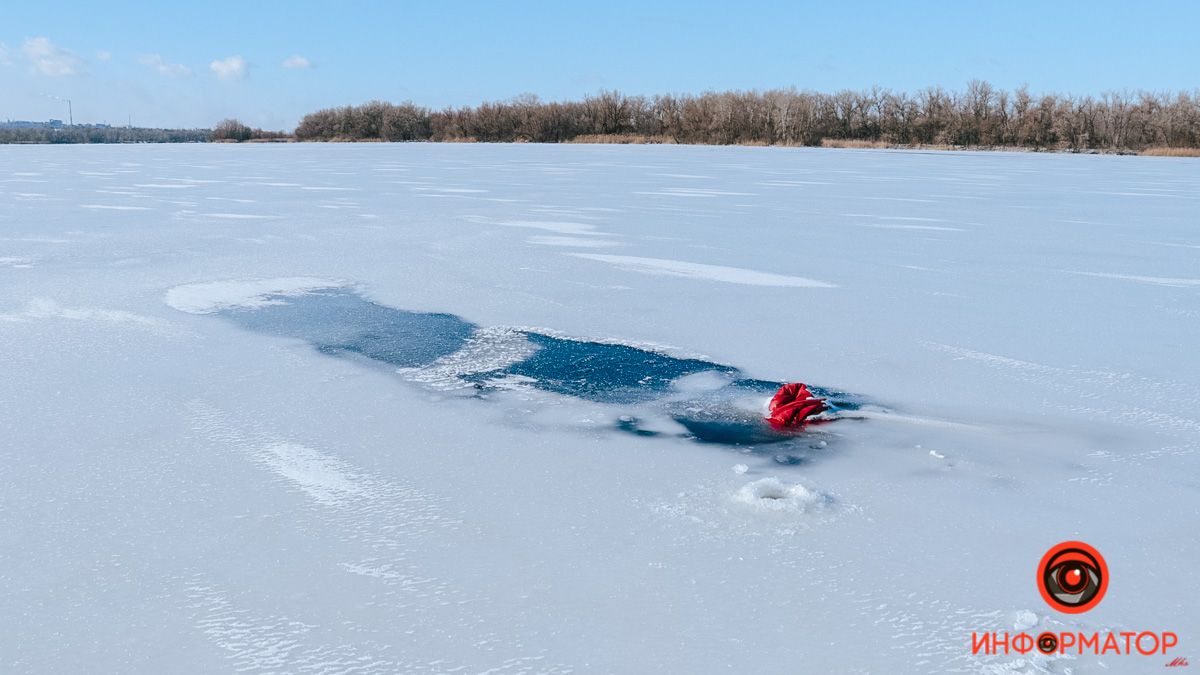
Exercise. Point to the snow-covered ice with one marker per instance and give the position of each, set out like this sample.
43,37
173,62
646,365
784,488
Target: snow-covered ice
689,270
270,409
206,298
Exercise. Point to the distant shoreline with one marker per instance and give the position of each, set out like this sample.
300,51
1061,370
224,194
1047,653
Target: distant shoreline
980,117
623,140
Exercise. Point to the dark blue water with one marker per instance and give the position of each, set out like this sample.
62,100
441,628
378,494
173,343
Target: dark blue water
340,322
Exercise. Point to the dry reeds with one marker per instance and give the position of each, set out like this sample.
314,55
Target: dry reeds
1171,152
852,143
623,139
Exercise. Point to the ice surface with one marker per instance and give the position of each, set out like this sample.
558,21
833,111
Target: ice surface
687,270
1158,281
205,298
206,465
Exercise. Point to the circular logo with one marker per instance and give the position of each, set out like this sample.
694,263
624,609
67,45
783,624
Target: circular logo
1072,577
1047,643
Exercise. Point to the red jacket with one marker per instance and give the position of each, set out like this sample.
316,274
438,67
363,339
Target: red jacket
792,405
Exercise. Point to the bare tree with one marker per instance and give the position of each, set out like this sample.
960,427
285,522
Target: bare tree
980,115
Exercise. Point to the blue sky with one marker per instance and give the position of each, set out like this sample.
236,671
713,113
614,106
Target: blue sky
192,64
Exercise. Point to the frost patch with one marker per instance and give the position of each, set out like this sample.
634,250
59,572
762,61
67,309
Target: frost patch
206,298
571,242
272,643
387,573
324,478
559,227
1177,282
487,350
934,228
237,216
774,495
690,270
45,308
115,207
693,192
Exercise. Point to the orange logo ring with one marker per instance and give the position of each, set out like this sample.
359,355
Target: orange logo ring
1079,562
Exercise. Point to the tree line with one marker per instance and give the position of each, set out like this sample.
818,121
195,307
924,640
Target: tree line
233,130
90,134
978,116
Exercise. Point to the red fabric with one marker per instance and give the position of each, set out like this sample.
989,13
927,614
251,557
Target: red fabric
792,405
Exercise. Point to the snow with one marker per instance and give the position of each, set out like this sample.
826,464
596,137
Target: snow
487,350
555,226
1024,620
115,207
205,448
43,308
1158,281
773,494
690,270
572,242
318,475
206,298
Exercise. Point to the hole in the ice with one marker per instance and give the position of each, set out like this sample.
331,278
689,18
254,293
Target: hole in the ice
712,402
774,495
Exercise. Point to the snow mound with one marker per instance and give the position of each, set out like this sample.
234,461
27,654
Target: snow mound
209,297
772,494
1024,620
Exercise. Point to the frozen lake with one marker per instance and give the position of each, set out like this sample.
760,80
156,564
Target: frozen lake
303,408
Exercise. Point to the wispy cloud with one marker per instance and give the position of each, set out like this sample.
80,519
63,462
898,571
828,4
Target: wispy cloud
4,58
297,62
103,55
169,69
229,68
49,59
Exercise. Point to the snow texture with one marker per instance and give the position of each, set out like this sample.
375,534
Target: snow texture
688,270
773,494
205,298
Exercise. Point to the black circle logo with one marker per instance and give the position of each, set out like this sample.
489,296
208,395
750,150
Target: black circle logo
1047,643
